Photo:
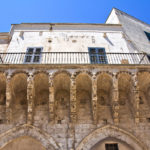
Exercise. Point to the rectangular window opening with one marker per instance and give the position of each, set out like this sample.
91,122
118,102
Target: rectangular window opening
98,56
112,146
33,55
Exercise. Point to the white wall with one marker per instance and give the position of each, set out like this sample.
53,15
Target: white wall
133,28
73,40
70,38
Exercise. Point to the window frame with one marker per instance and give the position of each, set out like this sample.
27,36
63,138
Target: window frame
33,55
113,146
95,57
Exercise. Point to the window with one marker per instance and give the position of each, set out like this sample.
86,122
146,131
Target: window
113,146
148,35
98,56
33,55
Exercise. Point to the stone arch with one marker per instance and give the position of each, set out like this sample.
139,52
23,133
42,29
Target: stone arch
40,72
41,98
104,72
18,103
110,131
89,73
126,98
27,130
61,71
144,94
61,82
104,98
123,72
15,72
84,98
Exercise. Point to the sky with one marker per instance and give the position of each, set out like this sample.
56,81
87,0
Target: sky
67,11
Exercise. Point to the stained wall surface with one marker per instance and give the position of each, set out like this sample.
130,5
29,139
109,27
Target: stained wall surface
24,143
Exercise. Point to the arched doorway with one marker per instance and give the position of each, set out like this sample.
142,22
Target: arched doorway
111,134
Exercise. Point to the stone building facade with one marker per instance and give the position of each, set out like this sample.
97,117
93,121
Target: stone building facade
75,86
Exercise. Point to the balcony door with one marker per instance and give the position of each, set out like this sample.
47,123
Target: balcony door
97,55
33,55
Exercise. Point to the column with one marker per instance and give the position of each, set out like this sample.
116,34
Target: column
51,98
30,98
136,97
115,99
73,103
94,98
8,99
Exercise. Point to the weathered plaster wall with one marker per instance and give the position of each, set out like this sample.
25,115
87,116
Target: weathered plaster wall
73,39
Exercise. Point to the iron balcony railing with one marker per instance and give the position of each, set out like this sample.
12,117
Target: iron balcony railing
74,58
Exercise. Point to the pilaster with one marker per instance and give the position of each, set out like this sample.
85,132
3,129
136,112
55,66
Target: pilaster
30,98
73,103
115,100
51,98
94,98
8,99
136,97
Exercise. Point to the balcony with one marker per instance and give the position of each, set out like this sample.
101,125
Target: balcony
74,58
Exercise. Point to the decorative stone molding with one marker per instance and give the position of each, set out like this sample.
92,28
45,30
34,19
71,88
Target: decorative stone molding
30,97
27,130
114,132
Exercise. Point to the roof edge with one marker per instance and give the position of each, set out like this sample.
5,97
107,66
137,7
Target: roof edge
132,17
97,24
